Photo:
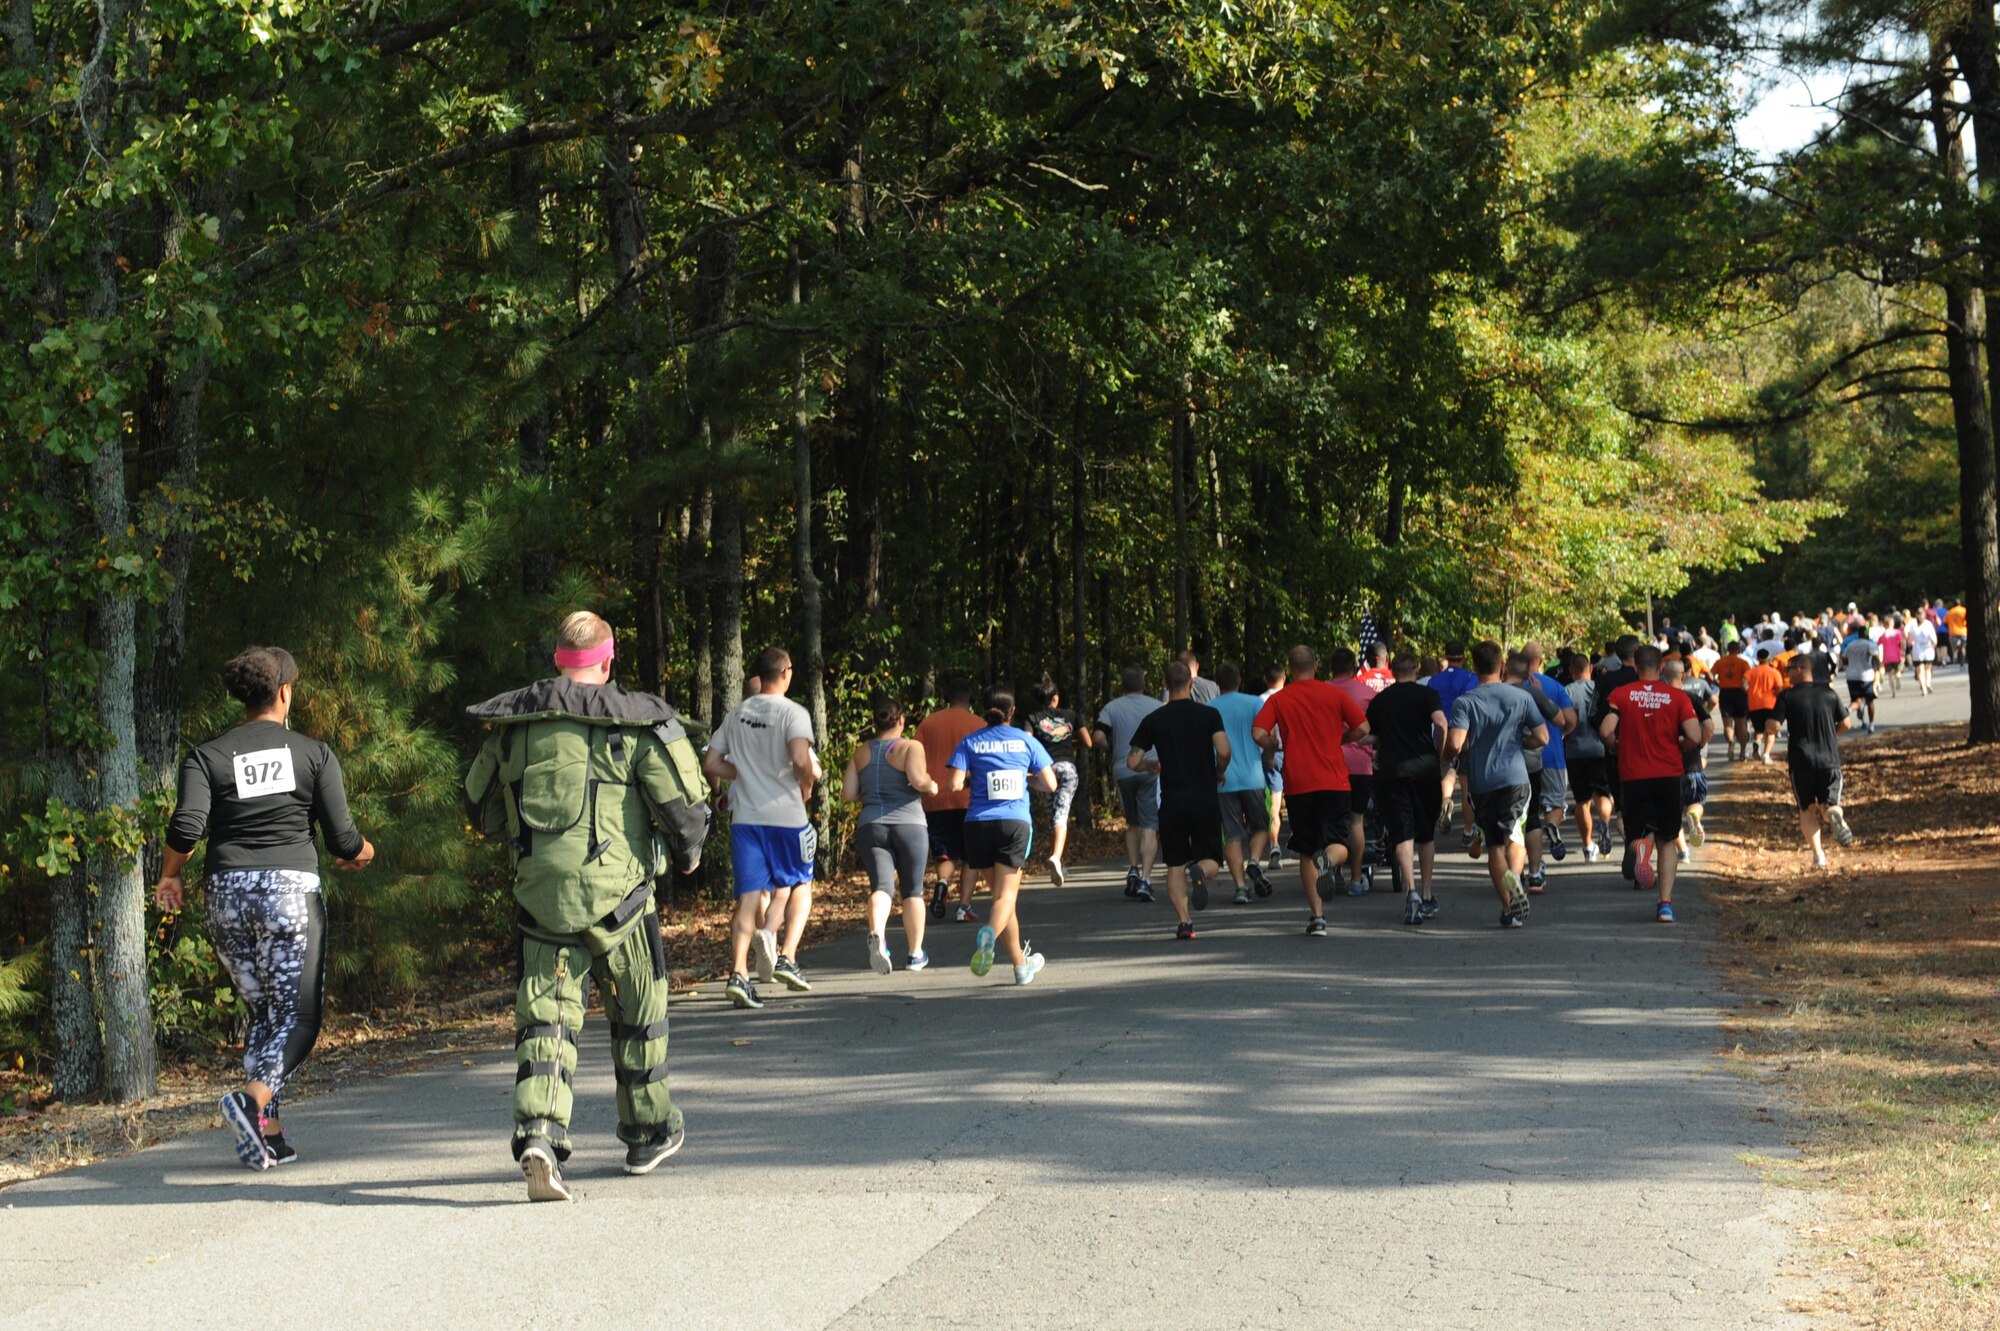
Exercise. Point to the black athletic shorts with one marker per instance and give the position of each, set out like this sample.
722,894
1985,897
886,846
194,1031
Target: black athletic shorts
1816,785
1190,829
1860,690
1004,842
1408,807
1734,702
1535,793
1761,718
1360,791
1653,807
1502,814
1590,778
947,833
1320,818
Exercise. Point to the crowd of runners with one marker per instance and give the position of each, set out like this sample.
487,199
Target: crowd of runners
1357,765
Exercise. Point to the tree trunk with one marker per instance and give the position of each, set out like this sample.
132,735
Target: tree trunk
624,211
695,575
1079,592
1181,444
533,435
1972,408
727,599
812,647
79,1045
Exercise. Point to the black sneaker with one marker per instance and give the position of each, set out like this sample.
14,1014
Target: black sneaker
1197,886
1512,919
1316,927
1413,911
1242,896
1629,869
1145,892
1184,932
544,1175
1133,883
1552,840
280,1149
788,974
1258,882
241,1117
741,992
644,1157
1430,905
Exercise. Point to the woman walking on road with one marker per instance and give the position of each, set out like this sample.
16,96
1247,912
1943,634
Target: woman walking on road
997,765
888,778
257,791
1062,733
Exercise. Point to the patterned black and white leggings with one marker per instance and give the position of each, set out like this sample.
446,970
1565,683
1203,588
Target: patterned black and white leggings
269,928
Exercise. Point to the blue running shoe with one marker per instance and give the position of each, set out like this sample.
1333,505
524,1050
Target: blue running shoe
1664,912
982,950
1430,908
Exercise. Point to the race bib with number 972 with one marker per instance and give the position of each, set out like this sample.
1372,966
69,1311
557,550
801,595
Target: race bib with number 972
1004,786
265,772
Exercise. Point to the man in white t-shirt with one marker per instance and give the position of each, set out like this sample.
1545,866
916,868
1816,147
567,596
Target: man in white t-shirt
1861,657
764,750
1923,649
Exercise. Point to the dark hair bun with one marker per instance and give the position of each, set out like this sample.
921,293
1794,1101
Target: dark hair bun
254,676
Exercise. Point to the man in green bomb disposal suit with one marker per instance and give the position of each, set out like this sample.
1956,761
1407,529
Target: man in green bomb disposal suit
586,780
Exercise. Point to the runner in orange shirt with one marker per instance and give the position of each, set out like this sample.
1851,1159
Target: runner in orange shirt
1955,620
940,734
1761,687
1733,702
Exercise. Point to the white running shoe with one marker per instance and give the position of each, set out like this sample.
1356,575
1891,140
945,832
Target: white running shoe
1056,873
764,954
878,956
1591,854
1026,974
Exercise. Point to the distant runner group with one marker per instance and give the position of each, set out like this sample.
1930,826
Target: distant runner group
599,792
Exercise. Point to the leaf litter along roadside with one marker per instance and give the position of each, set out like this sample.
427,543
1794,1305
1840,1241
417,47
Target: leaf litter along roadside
42,1137
1877,1011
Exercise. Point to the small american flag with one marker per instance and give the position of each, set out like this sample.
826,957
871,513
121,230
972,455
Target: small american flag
1369,635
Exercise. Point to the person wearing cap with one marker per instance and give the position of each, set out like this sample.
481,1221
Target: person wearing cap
256,792
597,791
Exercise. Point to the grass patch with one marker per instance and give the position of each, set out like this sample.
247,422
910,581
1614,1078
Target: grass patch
1875,1004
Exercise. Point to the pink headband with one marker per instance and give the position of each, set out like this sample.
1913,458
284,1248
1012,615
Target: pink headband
580,658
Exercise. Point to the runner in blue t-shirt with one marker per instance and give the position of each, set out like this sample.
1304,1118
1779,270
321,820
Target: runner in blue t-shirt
1555,770
1246,800
1451,683
998,764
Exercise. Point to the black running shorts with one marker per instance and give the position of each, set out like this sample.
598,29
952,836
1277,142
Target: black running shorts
1361,791
1859,690
1003,842
1653,807
1409,807
1816,785
1590,778
1502,814
1761,718
947,827
1734,702
1190,829
1320,818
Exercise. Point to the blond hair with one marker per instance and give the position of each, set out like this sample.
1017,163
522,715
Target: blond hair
582,631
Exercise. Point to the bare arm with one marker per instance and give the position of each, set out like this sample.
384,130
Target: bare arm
802,766
1454,743
170,893
1046,779
1536,738
1355,734
715,765
916,768
954,779
1694,733
850,778
1438,728
1266,741
1222,754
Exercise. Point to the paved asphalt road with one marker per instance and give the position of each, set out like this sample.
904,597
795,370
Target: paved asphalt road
1443,1127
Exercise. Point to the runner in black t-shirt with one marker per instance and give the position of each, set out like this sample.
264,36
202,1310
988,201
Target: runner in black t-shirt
1814,716
1407,723
1191,754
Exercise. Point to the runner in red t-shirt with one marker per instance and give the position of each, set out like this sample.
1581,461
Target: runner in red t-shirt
1649,725
1311,719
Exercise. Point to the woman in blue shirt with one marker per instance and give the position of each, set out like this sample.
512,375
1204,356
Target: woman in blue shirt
998,765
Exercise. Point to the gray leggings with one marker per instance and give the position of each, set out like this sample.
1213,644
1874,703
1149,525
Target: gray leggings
890,851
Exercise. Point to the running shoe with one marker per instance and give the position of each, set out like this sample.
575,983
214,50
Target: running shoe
1512,919
1145,892
643,1157
1664,912
1604,838
1475,844
1325,866
1316,927
1133,882
1430,908
1552,838
544,1175
280,1149
1413,910
1258,882
1364,882
1444,819
764,954
940,893
1242,896
1184,932
982,950
878,956
741,992
1517,898
1026,973
1276,858
240,1115
964,915
1644,875
1629,869
1537,882
1591,854
1056,873
1837,819
1197,886
791,976
918,961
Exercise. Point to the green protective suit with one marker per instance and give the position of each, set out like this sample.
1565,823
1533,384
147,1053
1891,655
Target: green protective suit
599,793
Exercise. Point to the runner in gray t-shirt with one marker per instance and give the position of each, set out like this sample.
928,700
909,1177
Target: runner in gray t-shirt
1492,725
1138,792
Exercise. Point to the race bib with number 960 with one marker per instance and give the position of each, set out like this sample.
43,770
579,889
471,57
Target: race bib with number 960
1007,785
265,772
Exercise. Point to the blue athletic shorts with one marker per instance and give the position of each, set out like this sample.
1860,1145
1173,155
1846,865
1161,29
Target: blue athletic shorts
763,859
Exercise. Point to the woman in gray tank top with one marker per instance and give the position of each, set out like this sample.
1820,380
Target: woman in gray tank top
888,779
